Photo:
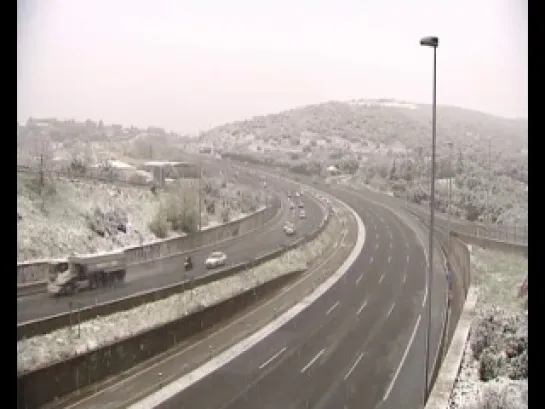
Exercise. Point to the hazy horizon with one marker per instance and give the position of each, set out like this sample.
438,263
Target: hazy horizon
188,67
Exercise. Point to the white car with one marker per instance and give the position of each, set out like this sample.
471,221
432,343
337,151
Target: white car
289,229
297,194
302,214
216,259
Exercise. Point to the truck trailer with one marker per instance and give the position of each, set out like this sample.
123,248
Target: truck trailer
87,272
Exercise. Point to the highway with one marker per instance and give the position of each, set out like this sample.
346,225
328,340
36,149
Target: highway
238,250
359,345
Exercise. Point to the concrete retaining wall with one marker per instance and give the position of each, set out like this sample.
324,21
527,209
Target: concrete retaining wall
33,271
39,387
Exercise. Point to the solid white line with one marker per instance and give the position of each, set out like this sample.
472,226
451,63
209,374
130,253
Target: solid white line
272,358
361,307
332,308
425,293
318,355
353,366
403,358
390,310
179,385
359,279
381,278
372,259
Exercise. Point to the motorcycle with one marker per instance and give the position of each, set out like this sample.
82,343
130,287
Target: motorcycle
188,264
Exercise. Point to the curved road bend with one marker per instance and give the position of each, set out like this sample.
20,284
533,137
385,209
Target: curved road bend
238,250
360,345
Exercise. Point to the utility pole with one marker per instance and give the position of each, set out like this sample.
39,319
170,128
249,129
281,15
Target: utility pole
489,171
200,196
450,144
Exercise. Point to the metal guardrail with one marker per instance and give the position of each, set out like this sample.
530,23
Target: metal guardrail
508,234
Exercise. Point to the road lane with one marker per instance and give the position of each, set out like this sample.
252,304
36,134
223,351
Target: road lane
319,339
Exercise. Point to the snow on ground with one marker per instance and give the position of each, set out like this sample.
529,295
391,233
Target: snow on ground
55,223
64,343
494,370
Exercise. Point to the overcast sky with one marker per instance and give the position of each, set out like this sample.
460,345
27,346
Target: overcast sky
189,65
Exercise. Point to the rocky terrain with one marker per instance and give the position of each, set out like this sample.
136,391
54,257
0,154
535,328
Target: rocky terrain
494,371
85,216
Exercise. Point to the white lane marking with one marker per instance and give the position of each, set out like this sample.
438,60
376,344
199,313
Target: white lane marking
353,366
403,358
376,236
359,279
361,307
272,358
381,278
407,258
390,245
332,308
389,259
372,259
425,292
179,385
318,355
390,310
404,277
376,246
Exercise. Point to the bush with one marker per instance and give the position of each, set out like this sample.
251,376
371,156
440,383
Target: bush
176,212
159,224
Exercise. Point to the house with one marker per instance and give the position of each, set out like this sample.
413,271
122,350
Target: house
333,170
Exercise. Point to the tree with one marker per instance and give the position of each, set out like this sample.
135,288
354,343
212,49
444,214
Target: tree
460,163
41,151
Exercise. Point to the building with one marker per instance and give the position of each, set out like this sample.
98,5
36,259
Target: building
163,170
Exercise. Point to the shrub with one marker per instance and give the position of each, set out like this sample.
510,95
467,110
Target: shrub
159,224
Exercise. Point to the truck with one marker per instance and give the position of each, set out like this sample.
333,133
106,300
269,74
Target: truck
86,272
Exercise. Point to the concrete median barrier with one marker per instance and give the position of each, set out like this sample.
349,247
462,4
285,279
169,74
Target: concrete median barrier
39,387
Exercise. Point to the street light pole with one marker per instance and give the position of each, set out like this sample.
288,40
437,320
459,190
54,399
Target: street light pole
434,43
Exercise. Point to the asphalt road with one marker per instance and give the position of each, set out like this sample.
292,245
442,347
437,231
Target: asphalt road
360,345
240,249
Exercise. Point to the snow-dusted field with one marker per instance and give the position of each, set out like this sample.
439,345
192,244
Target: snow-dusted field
497,349
62,344
55,224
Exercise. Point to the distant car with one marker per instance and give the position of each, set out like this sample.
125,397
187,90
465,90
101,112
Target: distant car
289,195
289,229
216,259
291,206
301,205
302,214
297,194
